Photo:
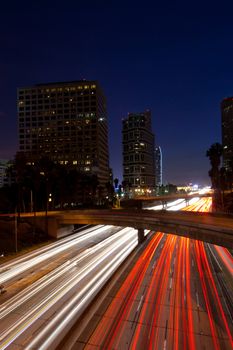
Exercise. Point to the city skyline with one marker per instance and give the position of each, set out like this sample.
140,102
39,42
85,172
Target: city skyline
171,60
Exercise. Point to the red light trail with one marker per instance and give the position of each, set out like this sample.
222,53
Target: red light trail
171,299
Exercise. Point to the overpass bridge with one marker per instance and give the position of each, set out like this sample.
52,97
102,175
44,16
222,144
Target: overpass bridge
145,201
208,227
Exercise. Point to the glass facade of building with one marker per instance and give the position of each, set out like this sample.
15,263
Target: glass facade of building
138,151
67,122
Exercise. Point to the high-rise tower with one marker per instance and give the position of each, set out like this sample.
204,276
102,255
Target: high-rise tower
67,122
227,131
158,166
138,152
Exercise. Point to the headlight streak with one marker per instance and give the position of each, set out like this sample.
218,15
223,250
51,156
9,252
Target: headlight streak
24,266
90,278
27,293
62,321
50,246
175,205
112,329
54,296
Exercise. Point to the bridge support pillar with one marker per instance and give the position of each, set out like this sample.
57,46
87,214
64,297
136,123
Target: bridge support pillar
141,235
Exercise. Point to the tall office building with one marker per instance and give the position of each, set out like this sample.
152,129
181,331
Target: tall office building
4,164
67,122
227,131
158,166
138,152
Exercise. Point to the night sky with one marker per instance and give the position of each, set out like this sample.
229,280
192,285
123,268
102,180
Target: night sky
174,58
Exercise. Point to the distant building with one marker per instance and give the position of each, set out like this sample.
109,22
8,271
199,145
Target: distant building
110,176
4,164
158,166
227,131
138,153
67,122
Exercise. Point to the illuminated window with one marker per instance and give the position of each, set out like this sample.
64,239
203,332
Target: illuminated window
75,162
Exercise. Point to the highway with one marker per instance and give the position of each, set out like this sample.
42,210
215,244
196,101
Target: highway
209,227
177,295
169,293
70,286
62,250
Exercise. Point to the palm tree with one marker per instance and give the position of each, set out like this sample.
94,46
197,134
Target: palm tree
214,154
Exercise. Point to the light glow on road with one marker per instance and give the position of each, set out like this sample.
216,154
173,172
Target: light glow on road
182,285
169,295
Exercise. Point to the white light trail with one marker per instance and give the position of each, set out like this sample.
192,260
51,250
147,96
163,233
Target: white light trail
115,243
16,268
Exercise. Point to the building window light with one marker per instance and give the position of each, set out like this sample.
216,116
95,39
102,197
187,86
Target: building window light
75,162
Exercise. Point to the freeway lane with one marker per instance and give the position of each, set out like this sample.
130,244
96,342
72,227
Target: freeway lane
172,298
178,294
53,254
68,288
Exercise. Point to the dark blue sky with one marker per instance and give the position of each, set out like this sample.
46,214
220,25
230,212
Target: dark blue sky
174,58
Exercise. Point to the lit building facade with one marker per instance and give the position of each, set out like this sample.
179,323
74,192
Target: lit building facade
227,131
5,178
138,153
3,169
67,122
158,166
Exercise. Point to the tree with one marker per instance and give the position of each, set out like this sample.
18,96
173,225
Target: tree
110,192
214,154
